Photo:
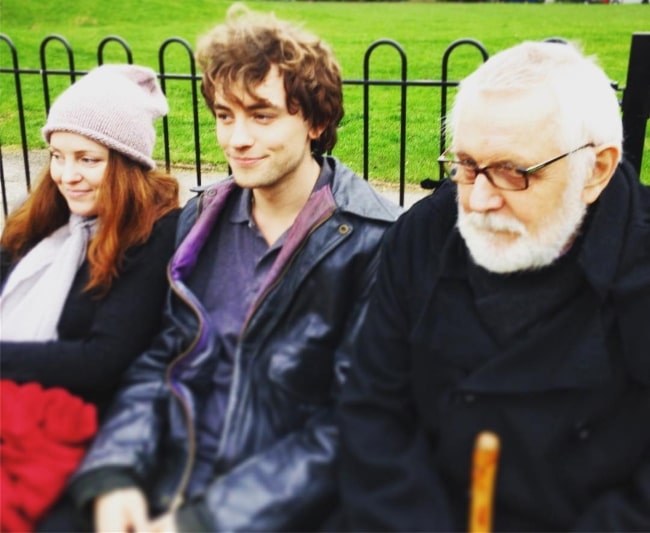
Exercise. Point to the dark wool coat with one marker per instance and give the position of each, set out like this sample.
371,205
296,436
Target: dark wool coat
99,338
568,394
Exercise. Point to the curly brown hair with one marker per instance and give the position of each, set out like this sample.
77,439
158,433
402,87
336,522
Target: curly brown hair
241,52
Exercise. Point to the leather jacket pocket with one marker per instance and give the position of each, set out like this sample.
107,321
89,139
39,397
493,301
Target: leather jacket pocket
305,375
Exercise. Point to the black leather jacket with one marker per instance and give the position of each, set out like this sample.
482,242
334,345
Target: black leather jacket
275,465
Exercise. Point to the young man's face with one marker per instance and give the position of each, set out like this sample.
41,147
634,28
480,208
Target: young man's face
508,231
266,146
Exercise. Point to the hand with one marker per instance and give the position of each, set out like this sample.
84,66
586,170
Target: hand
163,524
121,511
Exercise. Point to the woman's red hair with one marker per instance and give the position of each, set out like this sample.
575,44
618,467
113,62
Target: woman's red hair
130,200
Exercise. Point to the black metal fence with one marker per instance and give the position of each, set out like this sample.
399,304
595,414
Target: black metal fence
635,100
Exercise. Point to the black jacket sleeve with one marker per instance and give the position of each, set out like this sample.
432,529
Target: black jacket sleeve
386,479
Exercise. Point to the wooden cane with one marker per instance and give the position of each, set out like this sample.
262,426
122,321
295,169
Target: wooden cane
484,467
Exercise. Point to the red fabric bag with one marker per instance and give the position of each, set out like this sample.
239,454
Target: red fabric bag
44,434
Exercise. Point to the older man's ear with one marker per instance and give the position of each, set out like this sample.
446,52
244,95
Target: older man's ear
607,158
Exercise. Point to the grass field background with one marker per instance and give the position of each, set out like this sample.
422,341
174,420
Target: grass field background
423,30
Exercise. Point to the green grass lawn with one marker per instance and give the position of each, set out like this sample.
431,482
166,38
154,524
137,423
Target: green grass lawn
423,30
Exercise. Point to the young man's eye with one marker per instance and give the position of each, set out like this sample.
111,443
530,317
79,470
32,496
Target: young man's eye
222,116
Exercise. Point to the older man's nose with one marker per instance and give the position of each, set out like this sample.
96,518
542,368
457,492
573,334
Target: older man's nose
484,196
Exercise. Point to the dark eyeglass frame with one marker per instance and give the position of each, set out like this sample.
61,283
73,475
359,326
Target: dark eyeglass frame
523,172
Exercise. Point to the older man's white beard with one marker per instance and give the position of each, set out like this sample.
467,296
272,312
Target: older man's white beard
501,253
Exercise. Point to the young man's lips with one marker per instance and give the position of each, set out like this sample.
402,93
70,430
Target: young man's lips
245,161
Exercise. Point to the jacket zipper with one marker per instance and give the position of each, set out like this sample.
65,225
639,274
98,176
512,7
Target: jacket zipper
177,499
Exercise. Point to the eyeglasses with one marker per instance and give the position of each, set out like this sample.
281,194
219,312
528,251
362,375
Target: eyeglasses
503,176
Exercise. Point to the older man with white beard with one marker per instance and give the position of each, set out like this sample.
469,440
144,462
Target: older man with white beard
514,300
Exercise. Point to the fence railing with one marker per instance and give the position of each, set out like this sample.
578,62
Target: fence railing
635,97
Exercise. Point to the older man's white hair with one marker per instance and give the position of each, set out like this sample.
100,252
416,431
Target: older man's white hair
587,106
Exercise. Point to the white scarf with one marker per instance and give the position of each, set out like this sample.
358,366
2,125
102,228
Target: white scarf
33,297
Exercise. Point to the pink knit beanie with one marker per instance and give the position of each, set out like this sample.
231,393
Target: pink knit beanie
114,105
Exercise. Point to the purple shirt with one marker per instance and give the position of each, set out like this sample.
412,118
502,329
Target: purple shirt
233,266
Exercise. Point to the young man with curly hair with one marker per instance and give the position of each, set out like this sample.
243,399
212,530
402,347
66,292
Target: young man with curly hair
227,421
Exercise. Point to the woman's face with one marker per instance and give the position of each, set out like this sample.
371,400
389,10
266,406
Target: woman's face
77,166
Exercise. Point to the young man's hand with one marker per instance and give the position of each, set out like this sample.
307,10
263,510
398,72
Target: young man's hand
121,511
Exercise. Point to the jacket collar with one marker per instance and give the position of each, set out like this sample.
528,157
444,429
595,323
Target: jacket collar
606,230
346,193
187,253
318,208
355,196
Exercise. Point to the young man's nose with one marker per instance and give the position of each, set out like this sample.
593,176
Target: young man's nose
240,134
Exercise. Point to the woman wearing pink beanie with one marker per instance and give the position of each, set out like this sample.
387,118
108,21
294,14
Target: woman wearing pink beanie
83,260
